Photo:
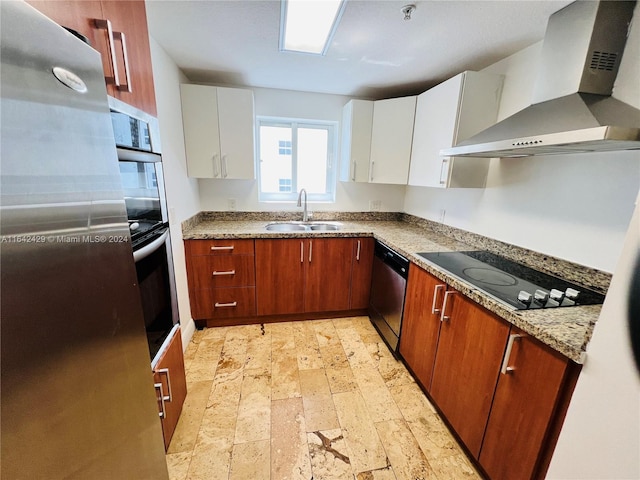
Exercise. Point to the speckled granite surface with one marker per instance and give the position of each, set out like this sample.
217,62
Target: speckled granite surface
566,330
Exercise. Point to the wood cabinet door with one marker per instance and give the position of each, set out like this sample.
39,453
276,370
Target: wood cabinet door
280,274
421,323
523,406
470,349
169,372
361,272
130,19
328,275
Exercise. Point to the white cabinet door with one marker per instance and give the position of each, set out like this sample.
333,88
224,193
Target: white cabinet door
236,120
391,136
355,149
201,132
445,115
219,132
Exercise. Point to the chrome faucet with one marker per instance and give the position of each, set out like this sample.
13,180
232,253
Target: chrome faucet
305,214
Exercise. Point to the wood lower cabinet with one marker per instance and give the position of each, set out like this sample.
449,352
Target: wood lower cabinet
171,385
470,350
280,276
126,54
421,323
504,393
361,272
305,275
526,401
221,275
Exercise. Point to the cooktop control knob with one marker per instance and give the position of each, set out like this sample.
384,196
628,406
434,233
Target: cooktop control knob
556,295
572,294
541,296
524,297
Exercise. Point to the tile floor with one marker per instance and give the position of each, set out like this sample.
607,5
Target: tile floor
317,400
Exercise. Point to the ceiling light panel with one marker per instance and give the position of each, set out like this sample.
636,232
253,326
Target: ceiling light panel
308,25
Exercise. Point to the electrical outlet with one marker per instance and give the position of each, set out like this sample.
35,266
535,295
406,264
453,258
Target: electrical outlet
442,214
375,205
231,204
172,215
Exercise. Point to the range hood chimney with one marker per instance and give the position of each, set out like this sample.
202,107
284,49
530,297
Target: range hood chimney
573,110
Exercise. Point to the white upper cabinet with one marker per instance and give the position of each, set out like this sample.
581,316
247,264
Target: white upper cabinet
391,136
218,131
445,115
355,148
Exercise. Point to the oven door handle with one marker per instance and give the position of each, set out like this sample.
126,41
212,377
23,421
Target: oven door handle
147,250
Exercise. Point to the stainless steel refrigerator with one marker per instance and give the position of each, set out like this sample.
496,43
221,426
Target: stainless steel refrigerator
77,394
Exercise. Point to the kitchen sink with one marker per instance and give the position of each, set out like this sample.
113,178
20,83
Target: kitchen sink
303,227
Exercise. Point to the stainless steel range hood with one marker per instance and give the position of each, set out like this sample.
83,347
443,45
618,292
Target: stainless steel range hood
573,110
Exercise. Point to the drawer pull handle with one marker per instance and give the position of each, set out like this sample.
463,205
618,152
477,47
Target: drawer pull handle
437,288
165,371
507,354
125,57
216,248
227,272
443,316
162,412
358,252
232,304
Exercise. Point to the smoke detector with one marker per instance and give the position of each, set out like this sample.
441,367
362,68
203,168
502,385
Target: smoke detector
407,10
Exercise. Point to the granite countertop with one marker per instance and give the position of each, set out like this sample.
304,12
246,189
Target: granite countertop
566,330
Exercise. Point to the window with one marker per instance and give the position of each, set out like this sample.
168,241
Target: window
294,154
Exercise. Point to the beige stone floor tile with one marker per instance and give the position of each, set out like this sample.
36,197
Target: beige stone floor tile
326,333
190,421
329,455
250,461
282,335
407,460
392,370
333,356
319,410
289,450
254,410
215,333
366,451
309,356
285,382
203,367
376,395
354,348
221,412
341,379
178,465
454,467
258,359
296,400
211,460
385,473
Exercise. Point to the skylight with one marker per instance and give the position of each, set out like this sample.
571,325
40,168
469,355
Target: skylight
308,25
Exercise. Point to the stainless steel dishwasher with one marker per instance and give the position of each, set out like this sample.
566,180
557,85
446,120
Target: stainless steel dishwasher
388,285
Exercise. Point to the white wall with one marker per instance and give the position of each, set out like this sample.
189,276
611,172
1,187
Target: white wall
284,103
182,192
600,438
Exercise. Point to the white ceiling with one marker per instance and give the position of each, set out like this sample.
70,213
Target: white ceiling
374,54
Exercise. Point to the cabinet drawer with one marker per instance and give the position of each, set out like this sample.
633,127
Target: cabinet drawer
225,302
219,247
211,271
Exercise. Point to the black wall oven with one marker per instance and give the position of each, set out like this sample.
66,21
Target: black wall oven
143,185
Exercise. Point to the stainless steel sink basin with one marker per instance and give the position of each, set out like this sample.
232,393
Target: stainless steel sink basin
303,227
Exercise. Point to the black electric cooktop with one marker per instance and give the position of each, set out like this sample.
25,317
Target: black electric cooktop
519,286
